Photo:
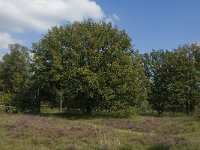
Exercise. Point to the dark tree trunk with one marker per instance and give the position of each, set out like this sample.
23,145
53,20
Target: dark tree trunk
187,109
61,101
87,109
160,112
38,101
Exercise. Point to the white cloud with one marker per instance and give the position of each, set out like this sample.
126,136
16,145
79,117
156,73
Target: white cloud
17,16
116,17
6,39
39,15
112,18
20,16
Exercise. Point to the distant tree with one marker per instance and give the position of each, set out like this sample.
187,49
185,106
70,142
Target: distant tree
155,71
91,65
183,79
15,77
174,79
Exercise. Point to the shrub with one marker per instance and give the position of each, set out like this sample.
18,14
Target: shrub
7,99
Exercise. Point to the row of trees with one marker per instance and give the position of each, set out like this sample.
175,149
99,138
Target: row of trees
174,79
91,66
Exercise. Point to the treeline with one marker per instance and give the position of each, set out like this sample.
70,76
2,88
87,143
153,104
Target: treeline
91,66
174,79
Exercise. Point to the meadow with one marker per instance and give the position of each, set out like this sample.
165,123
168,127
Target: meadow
55,131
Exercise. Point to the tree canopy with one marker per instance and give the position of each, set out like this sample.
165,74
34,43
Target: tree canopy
91,65
174,79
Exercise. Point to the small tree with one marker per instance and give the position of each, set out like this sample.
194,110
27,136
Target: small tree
15,78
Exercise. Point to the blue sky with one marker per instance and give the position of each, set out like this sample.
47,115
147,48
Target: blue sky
157,24
152,24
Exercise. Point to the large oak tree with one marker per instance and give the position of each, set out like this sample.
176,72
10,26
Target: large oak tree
90,65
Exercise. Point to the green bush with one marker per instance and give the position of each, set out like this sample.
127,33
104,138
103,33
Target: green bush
7,99
145,107
132,111
14,103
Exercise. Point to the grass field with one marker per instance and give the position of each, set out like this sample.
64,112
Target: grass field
66,132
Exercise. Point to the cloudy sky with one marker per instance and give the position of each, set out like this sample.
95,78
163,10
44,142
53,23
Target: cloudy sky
152,24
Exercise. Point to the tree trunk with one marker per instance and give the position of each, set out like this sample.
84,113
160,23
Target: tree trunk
187,109
160,112
38,101
88,110
59,92
61,103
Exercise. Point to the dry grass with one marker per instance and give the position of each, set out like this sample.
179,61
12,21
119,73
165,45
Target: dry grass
24,132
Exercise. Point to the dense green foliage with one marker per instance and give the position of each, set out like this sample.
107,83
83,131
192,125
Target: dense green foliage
91,66
15,77
174,79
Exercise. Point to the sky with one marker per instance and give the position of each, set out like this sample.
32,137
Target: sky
151,24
